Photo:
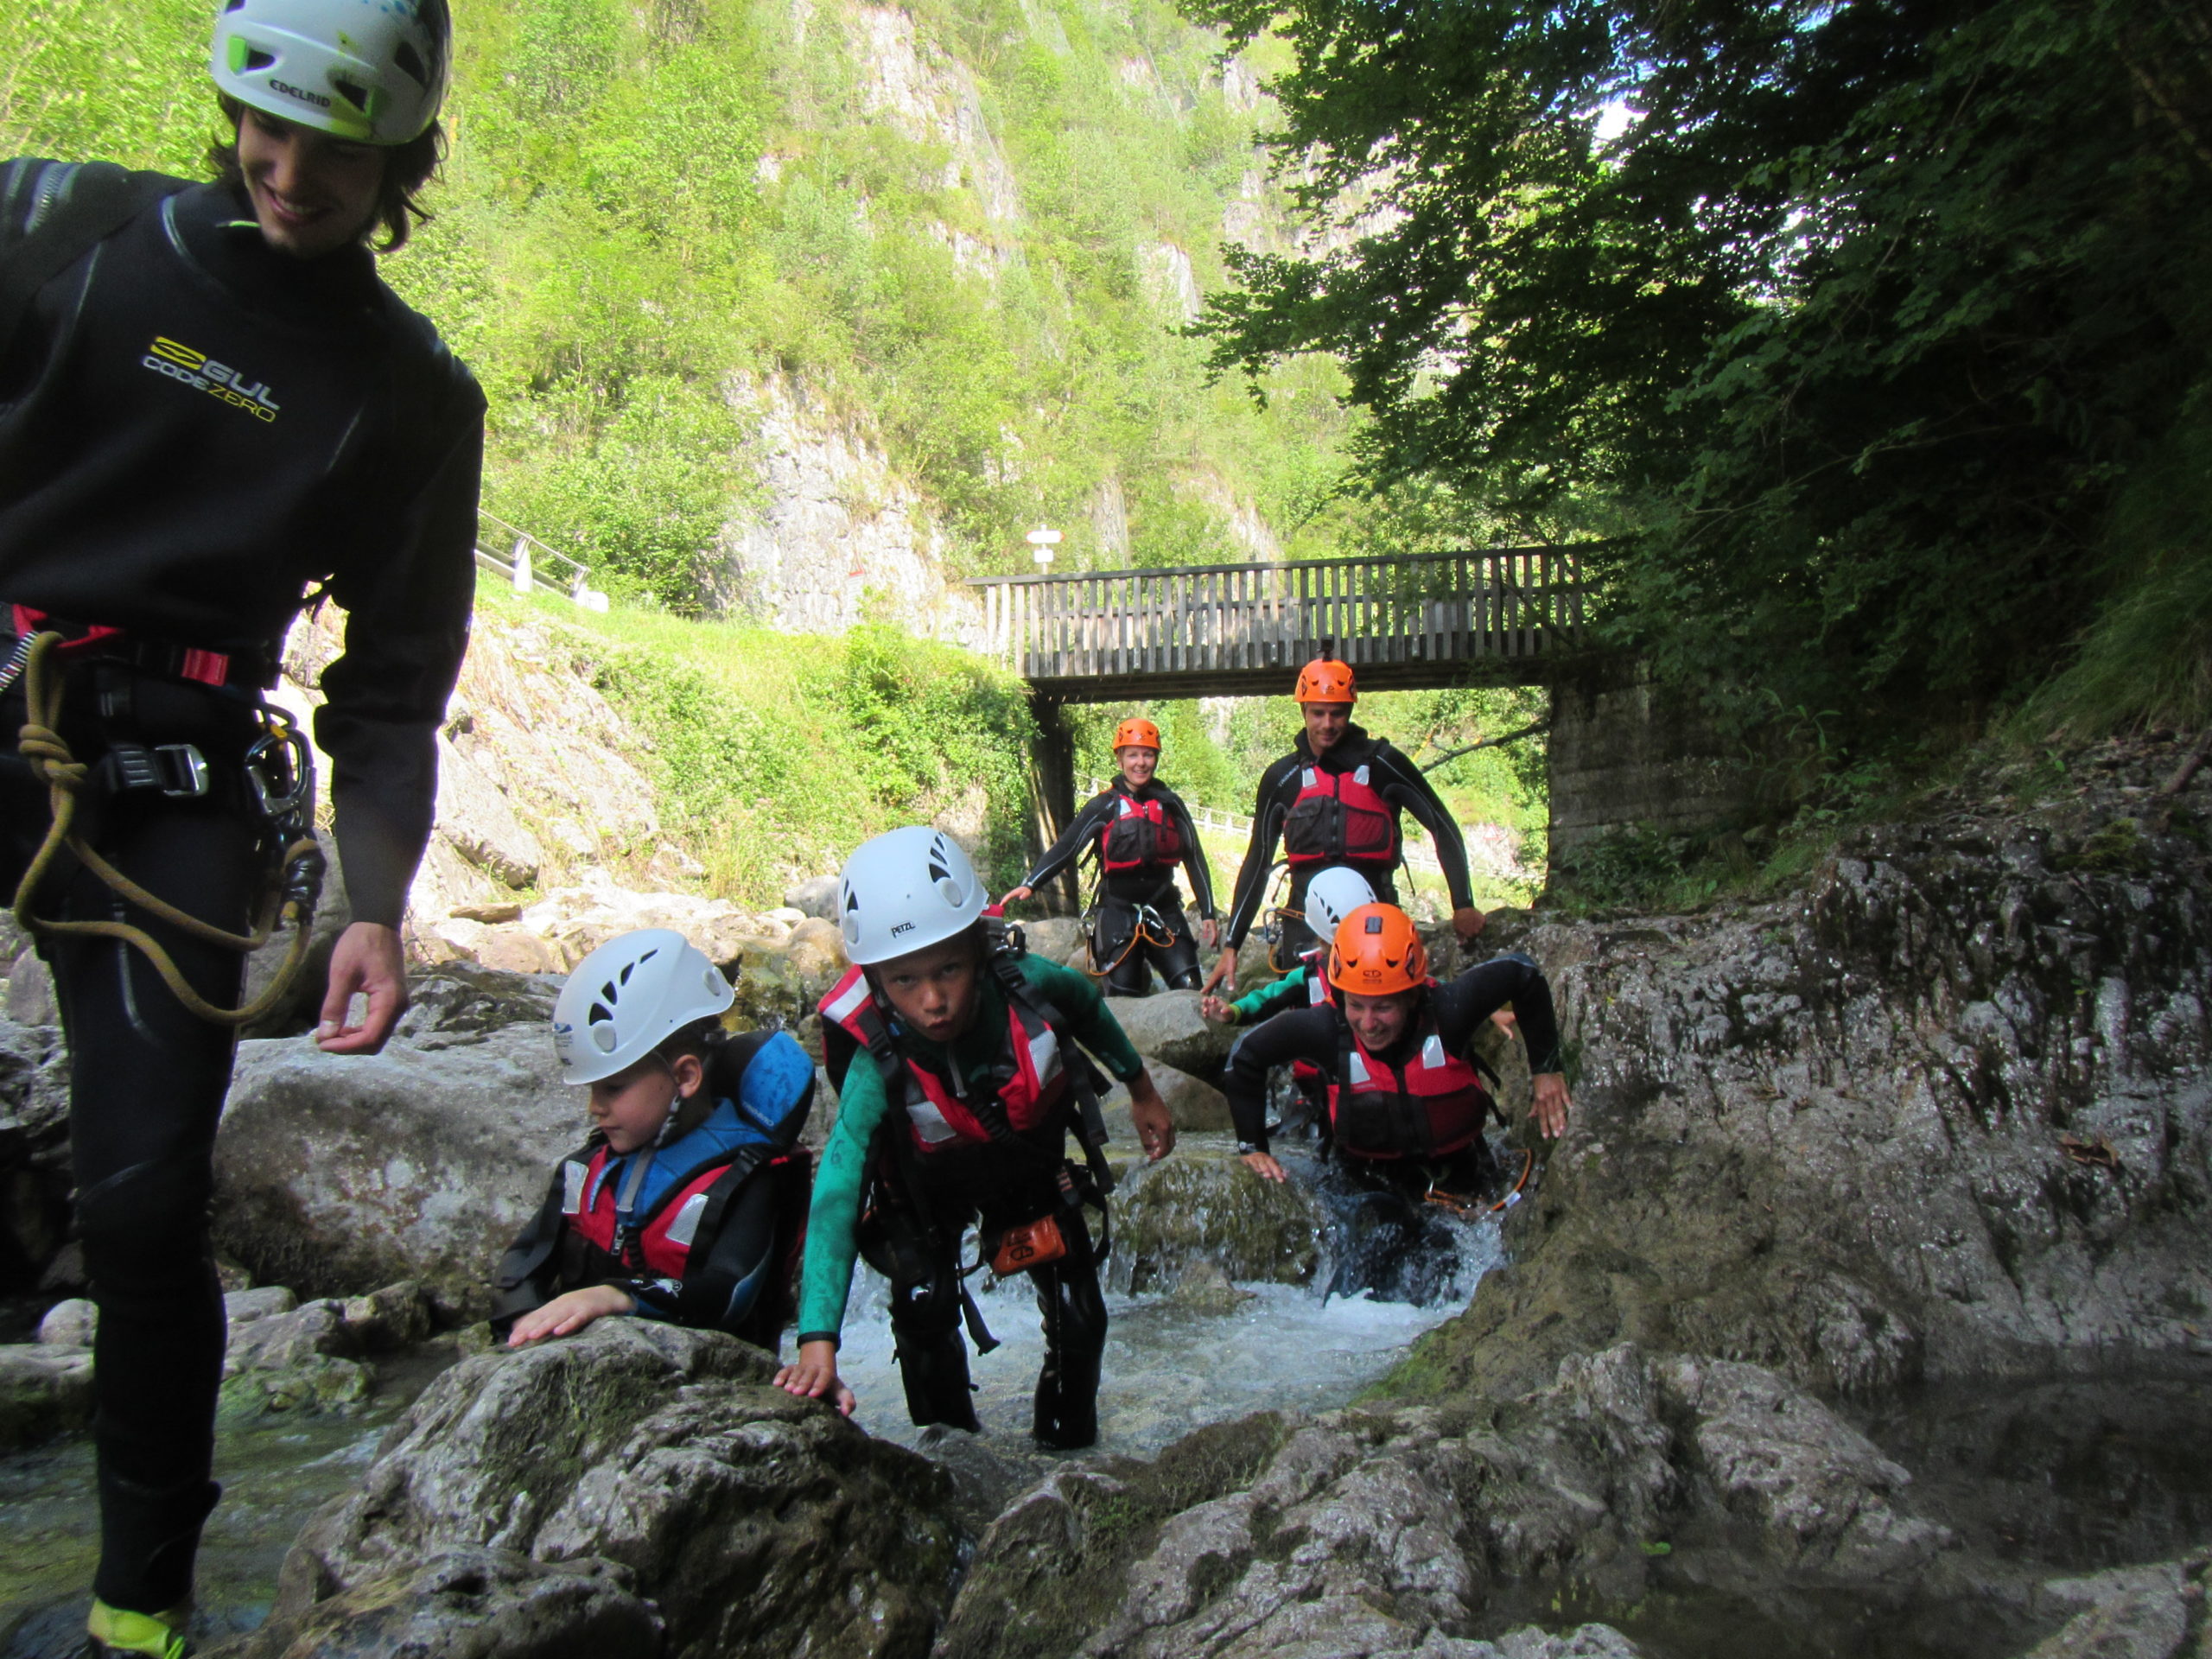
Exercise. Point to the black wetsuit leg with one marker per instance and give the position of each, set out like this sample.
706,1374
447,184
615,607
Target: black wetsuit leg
147,1083
1113,951
1074,1311
921,1254
1178,960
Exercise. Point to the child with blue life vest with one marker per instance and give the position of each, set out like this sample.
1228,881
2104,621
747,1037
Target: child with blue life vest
688,1202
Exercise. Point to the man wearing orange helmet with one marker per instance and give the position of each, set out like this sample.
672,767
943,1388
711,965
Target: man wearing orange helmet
1139,831
1406,1103
1334,803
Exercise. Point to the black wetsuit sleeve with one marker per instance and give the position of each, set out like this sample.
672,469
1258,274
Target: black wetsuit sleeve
1474,996
1194,857
1305,1034
1081,833
407,627
1278,787
1403,785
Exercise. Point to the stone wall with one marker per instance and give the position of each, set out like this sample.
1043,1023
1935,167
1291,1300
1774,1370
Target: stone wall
1626,753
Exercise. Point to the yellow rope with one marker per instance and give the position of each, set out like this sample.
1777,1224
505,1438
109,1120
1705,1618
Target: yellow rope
64,775
1142,935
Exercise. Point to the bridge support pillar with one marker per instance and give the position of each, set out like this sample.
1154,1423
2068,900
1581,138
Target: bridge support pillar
1055,779
1626,753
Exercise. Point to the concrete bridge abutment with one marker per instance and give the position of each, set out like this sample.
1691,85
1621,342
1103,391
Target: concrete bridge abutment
1628,752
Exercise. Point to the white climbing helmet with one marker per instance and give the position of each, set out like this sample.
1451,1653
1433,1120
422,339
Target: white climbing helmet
906,891
370,71
628,997
1332,895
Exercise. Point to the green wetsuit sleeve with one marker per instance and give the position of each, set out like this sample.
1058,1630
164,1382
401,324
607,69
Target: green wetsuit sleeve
834,1214
1288,991
1075,996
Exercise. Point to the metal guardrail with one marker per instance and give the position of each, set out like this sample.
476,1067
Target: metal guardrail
1235,824
530,565
1407,613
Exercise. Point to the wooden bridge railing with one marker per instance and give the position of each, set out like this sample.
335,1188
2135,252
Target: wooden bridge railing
1196,623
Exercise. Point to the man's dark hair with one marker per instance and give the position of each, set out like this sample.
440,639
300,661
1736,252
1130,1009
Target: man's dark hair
407,169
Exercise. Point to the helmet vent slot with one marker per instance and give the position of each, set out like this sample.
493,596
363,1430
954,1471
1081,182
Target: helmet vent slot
357,96
257,59
409,63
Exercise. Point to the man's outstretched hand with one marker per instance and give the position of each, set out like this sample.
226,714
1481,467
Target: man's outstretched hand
367,962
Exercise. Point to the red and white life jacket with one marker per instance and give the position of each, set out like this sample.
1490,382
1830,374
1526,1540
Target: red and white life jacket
1339,817
1031,1085
1140,836
1435,1105
658,1244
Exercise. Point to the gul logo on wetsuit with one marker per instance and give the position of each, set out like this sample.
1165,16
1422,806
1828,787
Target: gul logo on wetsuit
220,380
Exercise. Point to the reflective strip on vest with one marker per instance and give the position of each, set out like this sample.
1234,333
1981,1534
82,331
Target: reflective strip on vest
685,1224
1359,1071
1432,1052
573,1175
844,1008
1317,988
1360,777
1045,1056
929,1122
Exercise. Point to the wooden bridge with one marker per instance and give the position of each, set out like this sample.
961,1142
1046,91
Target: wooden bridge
1506,616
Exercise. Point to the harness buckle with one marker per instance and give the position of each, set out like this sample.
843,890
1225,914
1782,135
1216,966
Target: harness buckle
178,770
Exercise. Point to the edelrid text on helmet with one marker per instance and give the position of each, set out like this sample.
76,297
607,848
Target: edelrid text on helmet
904,891
628,997
1325,680
370,71
1377,953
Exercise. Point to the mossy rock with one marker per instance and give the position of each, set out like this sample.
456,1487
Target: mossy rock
1187,1210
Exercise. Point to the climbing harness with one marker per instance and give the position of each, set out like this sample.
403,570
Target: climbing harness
1143,933
280,769
1474,1209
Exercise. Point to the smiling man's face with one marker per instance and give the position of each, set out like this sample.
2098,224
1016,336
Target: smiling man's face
311,193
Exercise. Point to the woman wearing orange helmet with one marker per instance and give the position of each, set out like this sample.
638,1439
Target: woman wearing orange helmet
1334,803
1406,1100
1140,832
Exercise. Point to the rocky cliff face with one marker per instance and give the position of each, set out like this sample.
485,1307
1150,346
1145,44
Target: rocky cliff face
1948,1114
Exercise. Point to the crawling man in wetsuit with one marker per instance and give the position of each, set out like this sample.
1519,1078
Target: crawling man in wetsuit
1405,1104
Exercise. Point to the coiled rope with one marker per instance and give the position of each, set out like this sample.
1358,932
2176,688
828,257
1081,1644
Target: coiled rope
288,899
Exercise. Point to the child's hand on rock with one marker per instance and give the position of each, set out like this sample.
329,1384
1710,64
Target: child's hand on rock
569,1312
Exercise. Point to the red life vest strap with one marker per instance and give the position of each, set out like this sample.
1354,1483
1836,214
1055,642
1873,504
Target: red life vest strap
154,656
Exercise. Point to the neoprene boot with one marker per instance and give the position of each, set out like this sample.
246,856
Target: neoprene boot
933,1366
149,1537
115,1629
1067,1401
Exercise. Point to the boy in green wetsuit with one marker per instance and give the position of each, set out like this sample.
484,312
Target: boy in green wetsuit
976,1047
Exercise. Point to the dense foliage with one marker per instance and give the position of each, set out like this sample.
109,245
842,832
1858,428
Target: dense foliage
1859,322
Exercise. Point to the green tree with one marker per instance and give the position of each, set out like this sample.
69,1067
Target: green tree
1857,329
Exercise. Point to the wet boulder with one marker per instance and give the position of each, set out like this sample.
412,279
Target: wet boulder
44,1389
1167,1027
2129,1613
747,1521
468,1603
340,1173
1392,1531
303,1360
70,1324
35,1173
1191,1209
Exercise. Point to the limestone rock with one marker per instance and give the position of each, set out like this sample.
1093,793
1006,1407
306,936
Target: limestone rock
2131,1612
474,816
1382,1530
1187,1208
815,951
1166,1025
44,1391
34,1171
1191,1104
468,1603
30,992
340,1173
244,1306
303,1359
1054,938
751,1521
70,1324
815,896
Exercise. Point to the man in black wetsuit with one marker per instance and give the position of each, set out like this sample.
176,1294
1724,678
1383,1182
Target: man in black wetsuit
210,401
1140,832
1334,803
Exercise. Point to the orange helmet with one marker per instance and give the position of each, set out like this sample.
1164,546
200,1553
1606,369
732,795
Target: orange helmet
1135,734
1325,680
1376,953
